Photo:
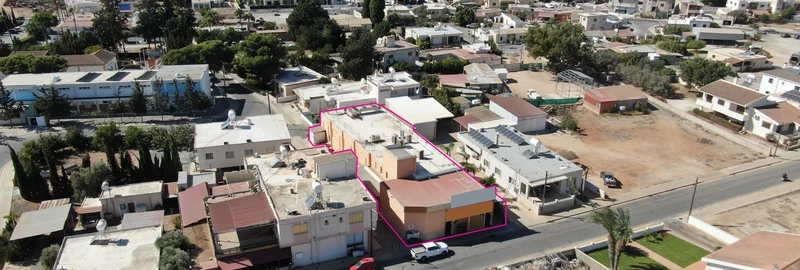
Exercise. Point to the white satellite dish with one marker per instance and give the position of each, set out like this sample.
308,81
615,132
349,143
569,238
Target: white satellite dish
101,227
231,115
105,186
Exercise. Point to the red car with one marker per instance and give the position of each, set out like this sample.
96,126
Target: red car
364,264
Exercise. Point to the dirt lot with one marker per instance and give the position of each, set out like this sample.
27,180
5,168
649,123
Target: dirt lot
199,236
781,214
544,82
646,150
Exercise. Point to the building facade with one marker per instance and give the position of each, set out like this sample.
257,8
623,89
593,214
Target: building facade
439,35
780,80
140,197
223,144
393,51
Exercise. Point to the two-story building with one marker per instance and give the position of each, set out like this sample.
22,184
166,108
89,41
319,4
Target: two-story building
653,6
693,21
295,77
222,145
507,20
439,35
625,6
101,60
780,80
140,197
506,35
739,60
689,7
731,101
393,51
393,84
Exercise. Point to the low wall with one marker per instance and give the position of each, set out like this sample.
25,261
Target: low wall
712,231
286,99
589,261
591,187
580,251
558,205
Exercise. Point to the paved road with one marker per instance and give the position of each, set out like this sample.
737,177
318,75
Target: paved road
501,246
642,26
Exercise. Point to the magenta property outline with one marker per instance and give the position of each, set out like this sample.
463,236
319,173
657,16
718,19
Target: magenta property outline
374,198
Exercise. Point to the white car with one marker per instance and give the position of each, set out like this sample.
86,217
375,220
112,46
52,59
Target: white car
532,94
429,250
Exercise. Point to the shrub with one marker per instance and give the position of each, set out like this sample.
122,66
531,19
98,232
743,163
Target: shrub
173,259
177,222
76,139
48,257
569,123
173,239
717,120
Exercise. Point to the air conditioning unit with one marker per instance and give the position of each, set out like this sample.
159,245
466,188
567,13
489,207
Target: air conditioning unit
375,138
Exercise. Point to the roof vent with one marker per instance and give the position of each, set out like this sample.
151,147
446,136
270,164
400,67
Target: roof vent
225,143
180,76
56,79
249,140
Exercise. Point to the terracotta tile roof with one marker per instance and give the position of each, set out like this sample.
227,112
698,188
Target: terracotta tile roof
253,209
82,60
517,106
455,80
431,192
482,113
784,73
465,120
782,113
600,95
731,92
255,258
761,250
190,202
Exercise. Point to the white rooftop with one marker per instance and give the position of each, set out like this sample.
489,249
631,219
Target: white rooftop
263,128
418,110
194,71
133,189
298,74
398,80
126,249
374,120
62,78
438,30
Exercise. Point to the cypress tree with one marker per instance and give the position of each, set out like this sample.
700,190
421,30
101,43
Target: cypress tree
52,169
38,184
157,172
167,166
176,159
111,159
21,177
146,162
66,183
86,162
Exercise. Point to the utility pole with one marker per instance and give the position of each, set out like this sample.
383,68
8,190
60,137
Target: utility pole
691,205
544,187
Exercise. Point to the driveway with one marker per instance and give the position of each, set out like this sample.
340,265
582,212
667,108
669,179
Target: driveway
642,27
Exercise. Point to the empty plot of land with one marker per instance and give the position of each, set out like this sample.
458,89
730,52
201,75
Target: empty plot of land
781,214
646,150
544,82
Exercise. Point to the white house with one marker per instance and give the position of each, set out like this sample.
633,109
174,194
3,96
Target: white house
223,144
139,197
780,80
393,51
393,84
424,114
524,116
509,21
781,118
694,21
735,102
597,21
439,35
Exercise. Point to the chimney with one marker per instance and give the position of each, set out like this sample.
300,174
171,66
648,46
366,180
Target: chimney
736,80
389,41
497,139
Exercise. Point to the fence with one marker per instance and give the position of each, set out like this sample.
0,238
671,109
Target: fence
712,231
560,101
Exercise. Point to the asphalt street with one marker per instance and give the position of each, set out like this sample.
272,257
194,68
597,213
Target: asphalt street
641,26
491,248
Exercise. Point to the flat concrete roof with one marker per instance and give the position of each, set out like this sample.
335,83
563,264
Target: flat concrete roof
295,75
736,53
418,110
126,249
280,182
399,80
514,155
374,120
481,74
133,189
442,30
341,91
262,128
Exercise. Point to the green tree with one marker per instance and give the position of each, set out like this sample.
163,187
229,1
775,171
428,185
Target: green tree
196,100
365,8
697,72
464,15
107,137
469,167
26,63
173,259
134,137
312,28
319,61
48,256
138,102
381,29
739,16
677,30
488,181
173,239
447,148
75,43
563,44
39,25
358,55
86,182
56,185
227,36
150,20
605,61
160,98
376,13
208,18
430,82
444,96
494,48
21,177
617,224
179,29
672,46
695,45
37,183
51,103
258,59
86,162
212,52
9,107
76,139
108,23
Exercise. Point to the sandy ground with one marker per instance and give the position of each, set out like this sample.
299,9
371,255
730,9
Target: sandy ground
645,150
199,235
781,214
544,82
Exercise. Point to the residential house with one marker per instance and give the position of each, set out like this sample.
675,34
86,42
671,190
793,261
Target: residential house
506,20
760,250
320,97
614,98
439,35
653,6
781,118
115,249
732,101
689,7
393,51
597,21
522,115
295,77
780,80
101,60
482,76
499,3
223,144
739,60
348,22
393,84
755,5
546,15
435,9
629,7
425,114
507,35
140,197
718,35
477,117
701,21
522,166
464,54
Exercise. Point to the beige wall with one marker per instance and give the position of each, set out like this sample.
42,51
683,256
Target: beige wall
388,167
288,90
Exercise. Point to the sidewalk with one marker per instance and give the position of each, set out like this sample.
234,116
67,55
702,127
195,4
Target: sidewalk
654,256
6,189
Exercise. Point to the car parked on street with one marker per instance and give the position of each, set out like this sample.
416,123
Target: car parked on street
429,250
367,263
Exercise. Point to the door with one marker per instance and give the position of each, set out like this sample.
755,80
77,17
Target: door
331,248
131,208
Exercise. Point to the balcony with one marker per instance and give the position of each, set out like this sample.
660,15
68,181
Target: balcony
245,239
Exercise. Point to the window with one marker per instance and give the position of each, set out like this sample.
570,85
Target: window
64,89
497,172
409,53
123,207
766,125
739,109
757,117
84,88
229,154
594,20
248,152
104,87
355,239
341,220
720,102
326,222
300,228
797,88
209,156
356,218
87,103
771,80
709,98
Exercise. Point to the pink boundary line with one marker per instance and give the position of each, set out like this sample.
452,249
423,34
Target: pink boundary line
374,198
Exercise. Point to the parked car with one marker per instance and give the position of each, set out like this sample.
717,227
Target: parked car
608,179
785,35
796,36
367,263
472,25
532,94
429,250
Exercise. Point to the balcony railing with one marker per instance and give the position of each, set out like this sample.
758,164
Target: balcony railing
248,244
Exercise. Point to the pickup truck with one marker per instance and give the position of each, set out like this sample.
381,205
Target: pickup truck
429,250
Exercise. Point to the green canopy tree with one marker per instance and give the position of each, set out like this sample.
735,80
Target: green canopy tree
138,102
212,52
9,107
150,20
39,24
50,103
617,224
195,99
160,102
74,43
86,182
464,15
381,29
26,63
56,184
698,72
107,24
444,96
563,44
358,55
173,259
376,13
49,256
258,59
179,29
312,28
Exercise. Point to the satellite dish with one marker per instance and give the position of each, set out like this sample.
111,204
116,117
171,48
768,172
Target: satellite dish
231,115
105,186
317,187
363,81
334,81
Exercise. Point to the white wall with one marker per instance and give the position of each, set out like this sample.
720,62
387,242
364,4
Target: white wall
111,205
771,84
85,68
219,159
712,231
532,123
758,120
427,129
337,169
724,108
408,55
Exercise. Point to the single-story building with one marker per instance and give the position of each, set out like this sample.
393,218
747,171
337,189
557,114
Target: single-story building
614,98
57,219
524,116
760,250
424,114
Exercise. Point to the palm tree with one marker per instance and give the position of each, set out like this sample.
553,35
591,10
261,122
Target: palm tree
463,155
469,167
447,148
617,223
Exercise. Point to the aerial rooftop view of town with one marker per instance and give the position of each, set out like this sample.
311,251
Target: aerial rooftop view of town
423,134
